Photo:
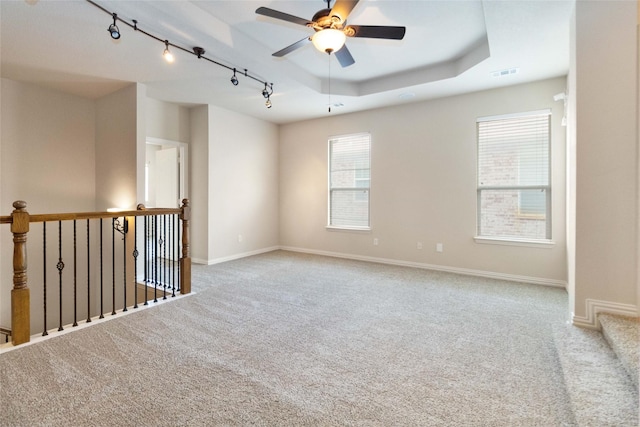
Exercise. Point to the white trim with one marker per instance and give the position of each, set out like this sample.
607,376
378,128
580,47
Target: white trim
234,257
345,228
546,244
593,307
457,270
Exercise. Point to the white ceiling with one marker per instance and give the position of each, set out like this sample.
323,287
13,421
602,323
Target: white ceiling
450,47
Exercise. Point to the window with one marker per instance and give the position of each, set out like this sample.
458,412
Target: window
349,181
514,180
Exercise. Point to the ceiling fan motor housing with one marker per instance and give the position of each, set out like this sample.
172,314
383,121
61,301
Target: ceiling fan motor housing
323,20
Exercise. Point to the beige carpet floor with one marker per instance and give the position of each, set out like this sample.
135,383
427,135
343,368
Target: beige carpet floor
285,339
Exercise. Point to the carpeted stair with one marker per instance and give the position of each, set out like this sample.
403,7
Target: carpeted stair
623,335
601,389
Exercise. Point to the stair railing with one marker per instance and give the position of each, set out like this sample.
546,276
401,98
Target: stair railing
160,271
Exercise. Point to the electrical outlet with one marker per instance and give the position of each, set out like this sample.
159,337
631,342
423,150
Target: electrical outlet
419,245
439,247
375,241
239,238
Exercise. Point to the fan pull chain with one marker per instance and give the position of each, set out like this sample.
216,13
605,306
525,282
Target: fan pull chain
329,55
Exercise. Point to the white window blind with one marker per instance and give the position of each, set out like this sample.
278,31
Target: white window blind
349,180
514,180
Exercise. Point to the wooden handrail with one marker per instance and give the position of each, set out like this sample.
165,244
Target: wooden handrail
97,215
70,216
20,220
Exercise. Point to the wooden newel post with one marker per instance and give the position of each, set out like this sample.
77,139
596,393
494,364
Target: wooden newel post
20,309
185,260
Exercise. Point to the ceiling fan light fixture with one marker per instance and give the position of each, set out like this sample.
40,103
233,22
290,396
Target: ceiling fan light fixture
328,40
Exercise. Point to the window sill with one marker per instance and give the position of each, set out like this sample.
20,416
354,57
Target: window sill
357,229
548,244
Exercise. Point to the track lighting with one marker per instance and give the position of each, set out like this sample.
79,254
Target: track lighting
234,80
113,28
266,93
168,56
114,32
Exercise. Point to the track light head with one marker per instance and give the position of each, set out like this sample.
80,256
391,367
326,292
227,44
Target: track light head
113,28
168,56
234,79
265,92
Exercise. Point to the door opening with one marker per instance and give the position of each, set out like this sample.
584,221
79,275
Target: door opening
165,173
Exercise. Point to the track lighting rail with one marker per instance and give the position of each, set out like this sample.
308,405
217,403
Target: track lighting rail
196,51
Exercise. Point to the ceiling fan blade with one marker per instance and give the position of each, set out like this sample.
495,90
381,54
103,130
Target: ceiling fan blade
292,47
344,57
283,16
343,8
377,31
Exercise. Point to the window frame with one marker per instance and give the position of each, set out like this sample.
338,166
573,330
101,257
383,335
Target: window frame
331,190
547,188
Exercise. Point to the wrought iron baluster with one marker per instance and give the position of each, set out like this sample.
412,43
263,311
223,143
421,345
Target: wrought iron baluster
44,275
135,262
173,258
101,273
60,267
155,258
164,256
75,276
113,266
124,266
146,260
159,254
179,234
88,274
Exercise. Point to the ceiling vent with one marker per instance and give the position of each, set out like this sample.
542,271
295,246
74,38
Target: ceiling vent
506,72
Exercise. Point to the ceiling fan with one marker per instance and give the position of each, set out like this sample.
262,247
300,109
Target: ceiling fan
331,30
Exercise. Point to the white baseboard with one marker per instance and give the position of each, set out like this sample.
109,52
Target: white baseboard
235,256
593,307
465,271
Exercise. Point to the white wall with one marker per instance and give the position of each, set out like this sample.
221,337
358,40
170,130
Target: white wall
48,160
606,159
243,184
423,184
47,149
199,183
116,142
168,121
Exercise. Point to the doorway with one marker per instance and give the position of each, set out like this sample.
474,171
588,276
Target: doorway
165,173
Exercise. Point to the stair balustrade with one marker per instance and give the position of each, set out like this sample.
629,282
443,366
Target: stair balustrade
149,260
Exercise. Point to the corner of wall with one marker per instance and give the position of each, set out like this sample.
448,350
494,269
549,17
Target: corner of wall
141,138
593,307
